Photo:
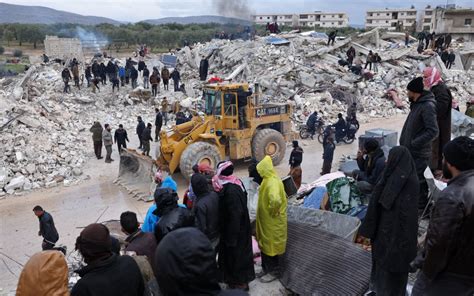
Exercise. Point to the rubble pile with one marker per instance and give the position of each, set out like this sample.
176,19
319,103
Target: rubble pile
307,71
44,133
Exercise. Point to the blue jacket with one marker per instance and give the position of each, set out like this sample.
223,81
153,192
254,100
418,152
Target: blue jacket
151,219
121,72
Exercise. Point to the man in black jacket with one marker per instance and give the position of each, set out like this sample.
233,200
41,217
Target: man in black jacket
171,216
140,128
448,263
203,68
47,229
206,208
419,131
106,274
242,100
296,158
176,78
146,138
134,76
371,162
121,138
158,123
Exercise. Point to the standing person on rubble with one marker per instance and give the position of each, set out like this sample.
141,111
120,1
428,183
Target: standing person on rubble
370,60
121,138
75,75
451,59
106,273
121,73
296,158
203,69
419,132
271,223
103,73
351,53
108,141
447,261
328,155
427,40
176,76
146,138
139,130
377,61
165,109
46,228
88,75
235,250
96,69
447,40
96,131
391,224
407,39
432,80
332,37
134,76
146,78
165,76
66,76
155,82
421,37
158,123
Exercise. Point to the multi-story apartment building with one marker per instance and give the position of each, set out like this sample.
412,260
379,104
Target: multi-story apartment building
427,19
456,21
391,19
312,19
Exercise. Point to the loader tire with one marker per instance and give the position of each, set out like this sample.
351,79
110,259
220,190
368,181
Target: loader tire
197,153
268,142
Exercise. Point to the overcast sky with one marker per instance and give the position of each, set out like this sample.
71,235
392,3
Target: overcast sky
136,10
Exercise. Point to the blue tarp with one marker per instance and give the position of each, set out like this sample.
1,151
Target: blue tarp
169,60
277,41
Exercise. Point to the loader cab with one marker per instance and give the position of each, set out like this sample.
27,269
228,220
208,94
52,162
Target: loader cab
222,105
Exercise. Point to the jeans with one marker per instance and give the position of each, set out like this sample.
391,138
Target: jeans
157,132
66,86
88,81
368,64
120,145
98,149
270,264
166,84
146,148
176,85
154,89
134,83
146,83
47,245
108,156
165,117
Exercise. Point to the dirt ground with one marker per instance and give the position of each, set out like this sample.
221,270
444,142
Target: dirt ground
98,200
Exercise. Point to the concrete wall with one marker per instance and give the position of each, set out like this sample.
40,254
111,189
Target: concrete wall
63,48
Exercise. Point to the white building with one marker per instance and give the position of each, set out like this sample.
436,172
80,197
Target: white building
312,19
427,19
391,19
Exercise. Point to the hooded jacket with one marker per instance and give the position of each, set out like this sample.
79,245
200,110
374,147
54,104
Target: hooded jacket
151,219
44,274
372,166
206,207
296,157
96,131
420,128
116,275
171,216
271,211
185,264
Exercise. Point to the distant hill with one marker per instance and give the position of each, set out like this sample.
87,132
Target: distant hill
11,13
202,19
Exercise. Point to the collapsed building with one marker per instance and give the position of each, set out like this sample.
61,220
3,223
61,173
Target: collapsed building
45,133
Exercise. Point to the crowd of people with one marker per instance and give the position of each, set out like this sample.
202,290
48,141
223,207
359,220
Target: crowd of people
97,75
214,222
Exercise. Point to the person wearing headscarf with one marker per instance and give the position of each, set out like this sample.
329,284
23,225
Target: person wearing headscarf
44,274
296,158
206,208
433,81
235,249
106,273
171,215
391,224
271,219
419,131
188,269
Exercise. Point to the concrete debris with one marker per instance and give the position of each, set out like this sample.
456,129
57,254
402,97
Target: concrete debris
44,133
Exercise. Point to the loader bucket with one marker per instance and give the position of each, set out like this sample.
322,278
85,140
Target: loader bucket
136,174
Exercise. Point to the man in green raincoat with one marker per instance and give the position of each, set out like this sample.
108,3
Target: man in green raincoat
271,219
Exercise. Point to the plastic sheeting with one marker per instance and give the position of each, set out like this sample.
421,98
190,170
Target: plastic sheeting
461,124
318,262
